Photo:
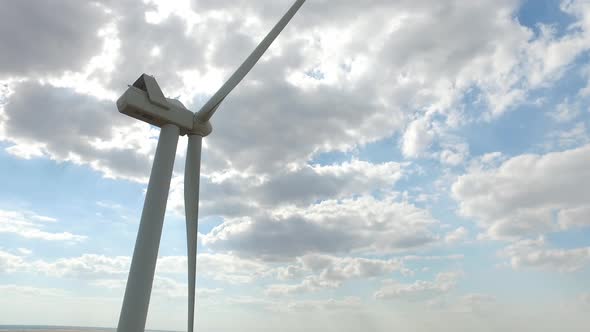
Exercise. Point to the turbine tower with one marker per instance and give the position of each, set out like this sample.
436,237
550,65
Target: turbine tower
145,101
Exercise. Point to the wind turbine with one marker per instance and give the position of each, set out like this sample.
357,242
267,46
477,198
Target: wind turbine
145,101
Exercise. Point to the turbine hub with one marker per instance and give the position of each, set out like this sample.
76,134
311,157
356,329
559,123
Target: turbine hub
202,129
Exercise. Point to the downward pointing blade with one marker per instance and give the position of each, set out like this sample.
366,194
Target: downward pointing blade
192,172
206,112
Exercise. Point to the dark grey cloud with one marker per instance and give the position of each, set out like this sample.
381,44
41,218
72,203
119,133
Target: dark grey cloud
419,56
66,125
178,49
301,187
377,77
261,128
333,227
269,121
334,269
40,37
272,239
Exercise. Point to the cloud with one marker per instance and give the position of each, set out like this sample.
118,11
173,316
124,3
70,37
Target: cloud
375,80
293,125
454,155
84,130
443,283
517,199
428,74
169,287
339,77
87,266
10,262
572,137
535,254
309,284
565,112
24,251
37,37
111,271
458,235
162,286
417,138
331,226
31,226
181,40
348,303
574,217
344,268
318,272
231,269
222,193
433,258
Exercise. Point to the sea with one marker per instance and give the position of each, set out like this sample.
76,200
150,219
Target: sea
43,328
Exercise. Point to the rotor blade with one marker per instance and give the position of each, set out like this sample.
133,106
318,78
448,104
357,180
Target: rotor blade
192,170
206,112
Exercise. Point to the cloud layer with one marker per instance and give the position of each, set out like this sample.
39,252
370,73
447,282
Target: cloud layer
382,157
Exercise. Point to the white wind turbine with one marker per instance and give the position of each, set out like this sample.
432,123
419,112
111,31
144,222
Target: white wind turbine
145,101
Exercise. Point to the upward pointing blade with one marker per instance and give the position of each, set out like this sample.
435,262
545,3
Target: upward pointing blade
192,172
206,112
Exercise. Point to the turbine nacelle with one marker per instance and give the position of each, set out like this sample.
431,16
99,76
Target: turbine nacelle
145,101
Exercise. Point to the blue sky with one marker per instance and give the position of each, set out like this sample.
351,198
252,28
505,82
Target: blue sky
391,163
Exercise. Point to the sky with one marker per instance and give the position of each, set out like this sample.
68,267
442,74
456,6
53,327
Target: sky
412,164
